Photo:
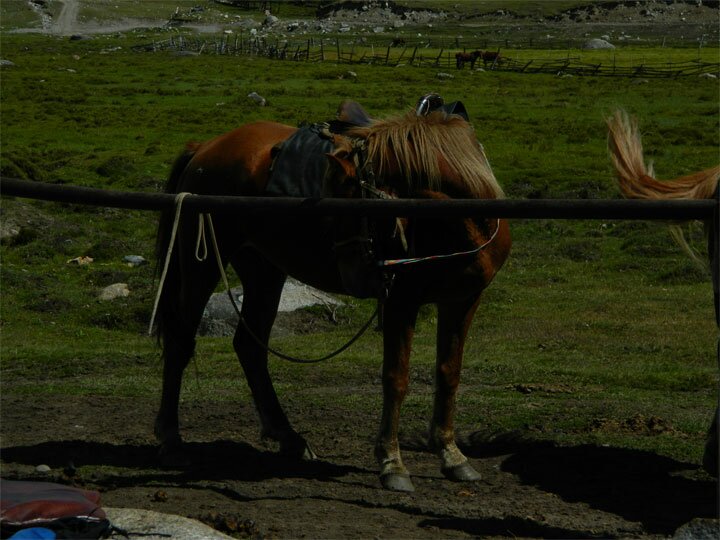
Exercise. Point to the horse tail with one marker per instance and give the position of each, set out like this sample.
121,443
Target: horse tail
636,180
164,230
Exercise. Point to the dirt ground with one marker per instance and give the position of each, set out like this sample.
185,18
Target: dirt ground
240,485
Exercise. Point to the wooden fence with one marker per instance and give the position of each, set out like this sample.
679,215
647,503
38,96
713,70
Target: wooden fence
333,50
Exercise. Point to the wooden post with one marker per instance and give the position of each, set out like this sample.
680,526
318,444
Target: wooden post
412,58
337,45
387,55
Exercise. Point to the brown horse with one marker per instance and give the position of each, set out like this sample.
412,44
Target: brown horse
434,156
462,57
491,57
636,181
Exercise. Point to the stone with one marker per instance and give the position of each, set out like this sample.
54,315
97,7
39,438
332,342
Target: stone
156,525
598,44
257,98
135,260
220,318
116,290
698,529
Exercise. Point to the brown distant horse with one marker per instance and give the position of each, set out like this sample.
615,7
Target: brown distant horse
436,157
491,57
462,57
636,181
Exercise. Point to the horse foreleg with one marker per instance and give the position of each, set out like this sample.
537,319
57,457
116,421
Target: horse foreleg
398,328
262,288
453,323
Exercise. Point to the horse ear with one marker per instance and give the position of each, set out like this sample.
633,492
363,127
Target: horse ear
341,165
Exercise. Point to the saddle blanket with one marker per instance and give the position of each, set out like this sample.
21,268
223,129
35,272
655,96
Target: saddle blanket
300,164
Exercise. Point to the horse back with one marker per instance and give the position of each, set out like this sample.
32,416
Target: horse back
234,163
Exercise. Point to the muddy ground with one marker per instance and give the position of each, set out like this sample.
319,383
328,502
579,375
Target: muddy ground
241,485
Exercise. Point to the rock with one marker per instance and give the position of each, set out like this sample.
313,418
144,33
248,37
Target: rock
598,44
707,76
43,469
6,63
257,98
698,529
444,76
80,261
9,233
270,19
220,319
134,260
116,290
147,522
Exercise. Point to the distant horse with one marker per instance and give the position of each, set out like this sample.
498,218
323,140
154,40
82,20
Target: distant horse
413,156
462,57
491,57
636,181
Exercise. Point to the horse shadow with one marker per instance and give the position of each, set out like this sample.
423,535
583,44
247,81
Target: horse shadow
216,460
659,492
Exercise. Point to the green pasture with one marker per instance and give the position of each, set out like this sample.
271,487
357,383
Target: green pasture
589,327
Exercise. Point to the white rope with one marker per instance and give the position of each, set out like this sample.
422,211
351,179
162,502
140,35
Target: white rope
179,198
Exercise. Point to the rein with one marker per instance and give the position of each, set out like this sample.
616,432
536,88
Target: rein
399,262
366,178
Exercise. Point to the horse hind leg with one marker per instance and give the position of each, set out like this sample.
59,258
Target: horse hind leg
453,323
262,288
185,293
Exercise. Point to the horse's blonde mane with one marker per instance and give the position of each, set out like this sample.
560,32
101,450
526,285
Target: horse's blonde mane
417,144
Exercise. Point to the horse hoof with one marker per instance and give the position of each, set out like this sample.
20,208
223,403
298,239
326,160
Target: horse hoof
298,448
462,473
397,482
308,454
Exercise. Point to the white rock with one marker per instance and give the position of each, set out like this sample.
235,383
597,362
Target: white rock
116,290
598,44
257,98
148,522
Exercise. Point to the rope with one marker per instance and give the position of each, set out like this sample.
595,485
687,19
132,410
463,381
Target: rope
400,262
179,198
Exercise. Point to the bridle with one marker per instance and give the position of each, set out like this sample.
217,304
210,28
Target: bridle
370,188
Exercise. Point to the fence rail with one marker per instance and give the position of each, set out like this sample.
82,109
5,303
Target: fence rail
289,206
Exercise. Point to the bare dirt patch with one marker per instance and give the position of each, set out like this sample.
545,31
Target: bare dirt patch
241,486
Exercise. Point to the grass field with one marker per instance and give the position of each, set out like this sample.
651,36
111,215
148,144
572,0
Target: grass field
590,327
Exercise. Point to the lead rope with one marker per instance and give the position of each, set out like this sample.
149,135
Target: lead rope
179,198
